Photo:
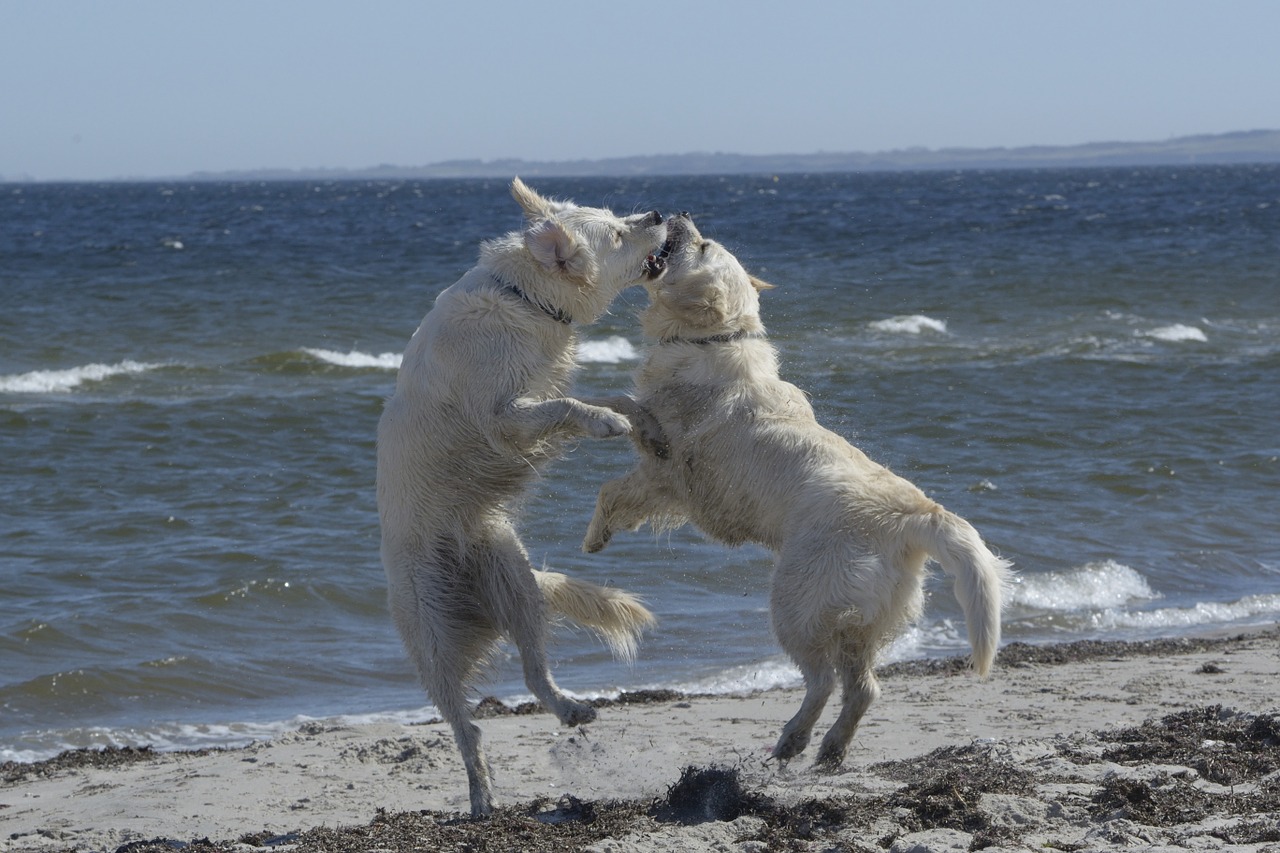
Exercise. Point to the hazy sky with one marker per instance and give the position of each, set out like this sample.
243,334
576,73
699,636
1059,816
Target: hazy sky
164,87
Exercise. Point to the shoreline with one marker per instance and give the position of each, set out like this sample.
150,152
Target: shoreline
1025,758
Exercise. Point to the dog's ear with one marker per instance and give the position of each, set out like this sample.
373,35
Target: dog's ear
557,249
759,284
534,206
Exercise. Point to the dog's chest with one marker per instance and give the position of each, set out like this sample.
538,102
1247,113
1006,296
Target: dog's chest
684,410
551,375
737,451
711,461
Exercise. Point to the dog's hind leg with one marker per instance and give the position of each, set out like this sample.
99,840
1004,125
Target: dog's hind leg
860,689
799,632
819,680
520,612
451,701
445,644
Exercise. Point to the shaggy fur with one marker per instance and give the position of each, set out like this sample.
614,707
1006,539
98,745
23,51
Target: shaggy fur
479,406
749,463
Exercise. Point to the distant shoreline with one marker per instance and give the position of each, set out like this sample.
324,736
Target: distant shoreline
1236,148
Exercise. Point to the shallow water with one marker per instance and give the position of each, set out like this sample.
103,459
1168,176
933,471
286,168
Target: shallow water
1082,363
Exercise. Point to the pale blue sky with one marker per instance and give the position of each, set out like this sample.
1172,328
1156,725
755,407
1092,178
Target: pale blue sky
165,87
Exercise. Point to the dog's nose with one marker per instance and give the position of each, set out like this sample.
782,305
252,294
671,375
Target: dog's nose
684,214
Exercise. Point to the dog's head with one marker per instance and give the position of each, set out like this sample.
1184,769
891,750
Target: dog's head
593,249
703,290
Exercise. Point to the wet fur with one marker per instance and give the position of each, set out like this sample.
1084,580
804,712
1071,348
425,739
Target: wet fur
750,463
480,405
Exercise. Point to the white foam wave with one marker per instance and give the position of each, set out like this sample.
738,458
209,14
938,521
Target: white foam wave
405,717
383,361
1177,333
1093,586
171,737
26,756
609,351
55,381
748,678
942,638
913,324
612,350
917,641
1251,608
734,681
165,737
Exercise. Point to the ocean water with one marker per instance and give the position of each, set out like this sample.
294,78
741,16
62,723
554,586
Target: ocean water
1083,363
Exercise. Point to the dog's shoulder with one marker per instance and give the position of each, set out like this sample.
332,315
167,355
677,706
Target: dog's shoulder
774,400
479,303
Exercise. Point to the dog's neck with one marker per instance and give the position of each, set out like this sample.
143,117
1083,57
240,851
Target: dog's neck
728,337
708,362
558,314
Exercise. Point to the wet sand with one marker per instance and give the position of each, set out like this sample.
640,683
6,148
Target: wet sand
1082,746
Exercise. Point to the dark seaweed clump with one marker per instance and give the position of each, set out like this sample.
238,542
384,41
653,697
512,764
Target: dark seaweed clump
1221,745
706,794
77,759
943,789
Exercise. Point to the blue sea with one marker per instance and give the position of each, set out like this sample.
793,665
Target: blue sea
1083,363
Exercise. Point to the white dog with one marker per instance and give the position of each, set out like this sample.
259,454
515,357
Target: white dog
749,463
479,405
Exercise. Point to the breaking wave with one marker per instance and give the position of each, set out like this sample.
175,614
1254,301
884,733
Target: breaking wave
58,381
913,324
382,361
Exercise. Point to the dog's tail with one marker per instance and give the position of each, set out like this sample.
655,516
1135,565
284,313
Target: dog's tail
616,615
980,578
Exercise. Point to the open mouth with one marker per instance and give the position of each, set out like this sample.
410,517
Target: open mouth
656,264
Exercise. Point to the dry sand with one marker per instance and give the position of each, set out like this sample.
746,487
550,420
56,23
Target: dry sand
1087,746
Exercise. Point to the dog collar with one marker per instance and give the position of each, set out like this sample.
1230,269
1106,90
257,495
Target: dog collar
557,314
726,338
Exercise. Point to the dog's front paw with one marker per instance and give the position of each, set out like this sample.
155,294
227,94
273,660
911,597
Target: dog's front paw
602,423
596,540
648,434
598,535
654,440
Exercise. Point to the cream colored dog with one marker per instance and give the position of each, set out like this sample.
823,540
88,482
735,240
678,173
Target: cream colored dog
749,463
479,405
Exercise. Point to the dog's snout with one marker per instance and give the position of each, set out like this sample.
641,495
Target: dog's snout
654,218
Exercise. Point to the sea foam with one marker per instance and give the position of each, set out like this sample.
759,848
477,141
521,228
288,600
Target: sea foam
913,324
932,639
384,361
55,381
163,737
1177,333
1093,586
747,678
1248,610
612,350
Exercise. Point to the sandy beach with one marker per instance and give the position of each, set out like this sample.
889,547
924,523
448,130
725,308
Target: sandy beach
1085,746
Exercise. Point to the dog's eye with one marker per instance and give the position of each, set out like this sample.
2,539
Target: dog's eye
702,247
617,237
